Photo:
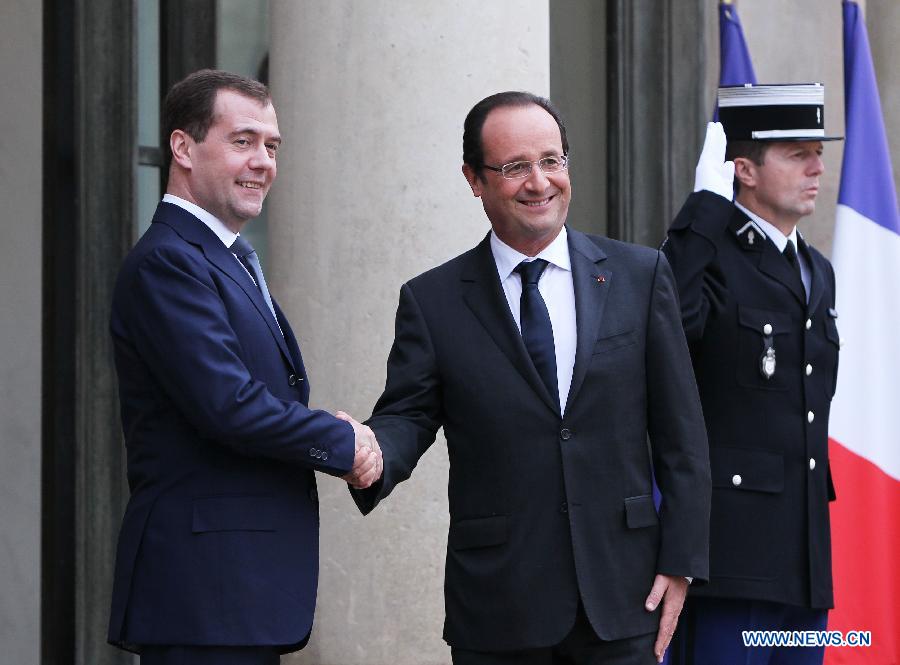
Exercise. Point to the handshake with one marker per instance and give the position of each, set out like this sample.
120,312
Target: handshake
367,464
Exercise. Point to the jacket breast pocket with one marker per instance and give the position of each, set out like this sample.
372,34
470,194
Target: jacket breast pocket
619,340
233,513
479,532
761,333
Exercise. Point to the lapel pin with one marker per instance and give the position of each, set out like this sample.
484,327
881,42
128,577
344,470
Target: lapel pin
601,279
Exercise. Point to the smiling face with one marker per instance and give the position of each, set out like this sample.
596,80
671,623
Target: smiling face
784,187
228,173
525,213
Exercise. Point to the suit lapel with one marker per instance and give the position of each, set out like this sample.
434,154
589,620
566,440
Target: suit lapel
197,233
770,261
484,296
592,287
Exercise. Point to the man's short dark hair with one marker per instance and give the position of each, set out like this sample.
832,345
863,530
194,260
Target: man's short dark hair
473,151
755,151
190,104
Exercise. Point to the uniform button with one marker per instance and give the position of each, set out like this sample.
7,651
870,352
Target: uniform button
808,369
736,480
313,494
767,329
808,324
324,455
565,434
313,452
810,417
564,508
812,463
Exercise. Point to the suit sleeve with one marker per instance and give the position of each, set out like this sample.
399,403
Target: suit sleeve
178,325
677,437
408,414
690,247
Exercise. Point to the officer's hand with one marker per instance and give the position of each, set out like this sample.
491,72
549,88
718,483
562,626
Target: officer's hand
713,173
671,591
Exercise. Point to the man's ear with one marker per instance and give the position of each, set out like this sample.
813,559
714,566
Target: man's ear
180,143
473,179
745,171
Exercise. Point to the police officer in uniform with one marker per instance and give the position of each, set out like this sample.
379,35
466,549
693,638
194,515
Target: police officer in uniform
758,309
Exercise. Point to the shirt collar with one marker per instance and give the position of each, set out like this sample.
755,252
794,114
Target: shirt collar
507,258
225,234
770,230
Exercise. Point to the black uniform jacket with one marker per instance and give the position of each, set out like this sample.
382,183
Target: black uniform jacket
545,508
766,364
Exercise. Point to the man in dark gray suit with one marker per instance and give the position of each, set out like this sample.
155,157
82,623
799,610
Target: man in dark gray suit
548,356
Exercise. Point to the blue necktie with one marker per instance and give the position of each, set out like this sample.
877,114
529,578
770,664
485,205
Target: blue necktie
537,331
245,253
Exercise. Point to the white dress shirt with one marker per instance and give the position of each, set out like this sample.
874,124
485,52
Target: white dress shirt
558,293
781,241
226,235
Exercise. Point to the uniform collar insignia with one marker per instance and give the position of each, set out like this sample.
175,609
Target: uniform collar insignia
751,236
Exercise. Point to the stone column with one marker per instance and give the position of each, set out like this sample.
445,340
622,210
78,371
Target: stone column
20,333
371,99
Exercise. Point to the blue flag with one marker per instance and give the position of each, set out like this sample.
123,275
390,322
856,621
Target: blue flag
735,67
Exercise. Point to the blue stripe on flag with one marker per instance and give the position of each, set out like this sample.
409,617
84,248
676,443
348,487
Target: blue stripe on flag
867,179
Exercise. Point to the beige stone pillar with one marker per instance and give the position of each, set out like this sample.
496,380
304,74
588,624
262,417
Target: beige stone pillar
371,98
882,23
20,332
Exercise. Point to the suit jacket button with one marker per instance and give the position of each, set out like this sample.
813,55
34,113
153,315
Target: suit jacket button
313,494
292,379
313,452
324,455
565,434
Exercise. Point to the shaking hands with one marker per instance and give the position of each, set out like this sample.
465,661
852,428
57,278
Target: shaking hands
367,464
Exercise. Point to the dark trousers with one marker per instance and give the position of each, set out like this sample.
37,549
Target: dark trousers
191,655
580,647
710,633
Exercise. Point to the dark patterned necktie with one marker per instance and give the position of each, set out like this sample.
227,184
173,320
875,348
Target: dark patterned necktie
537,331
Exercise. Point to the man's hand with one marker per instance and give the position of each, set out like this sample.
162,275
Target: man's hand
713,173
671,591
367,464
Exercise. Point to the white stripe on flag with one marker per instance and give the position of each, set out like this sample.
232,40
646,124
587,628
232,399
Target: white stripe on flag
865,414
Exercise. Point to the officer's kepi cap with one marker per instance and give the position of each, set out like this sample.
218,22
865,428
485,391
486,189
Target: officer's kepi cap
779,112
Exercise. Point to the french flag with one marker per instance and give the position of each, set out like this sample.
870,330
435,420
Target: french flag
865,415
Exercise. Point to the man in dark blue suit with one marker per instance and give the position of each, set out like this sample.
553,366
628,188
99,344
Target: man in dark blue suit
218,553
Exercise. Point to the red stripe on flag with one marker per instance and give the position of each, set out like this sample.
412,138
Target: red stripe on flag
865,527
